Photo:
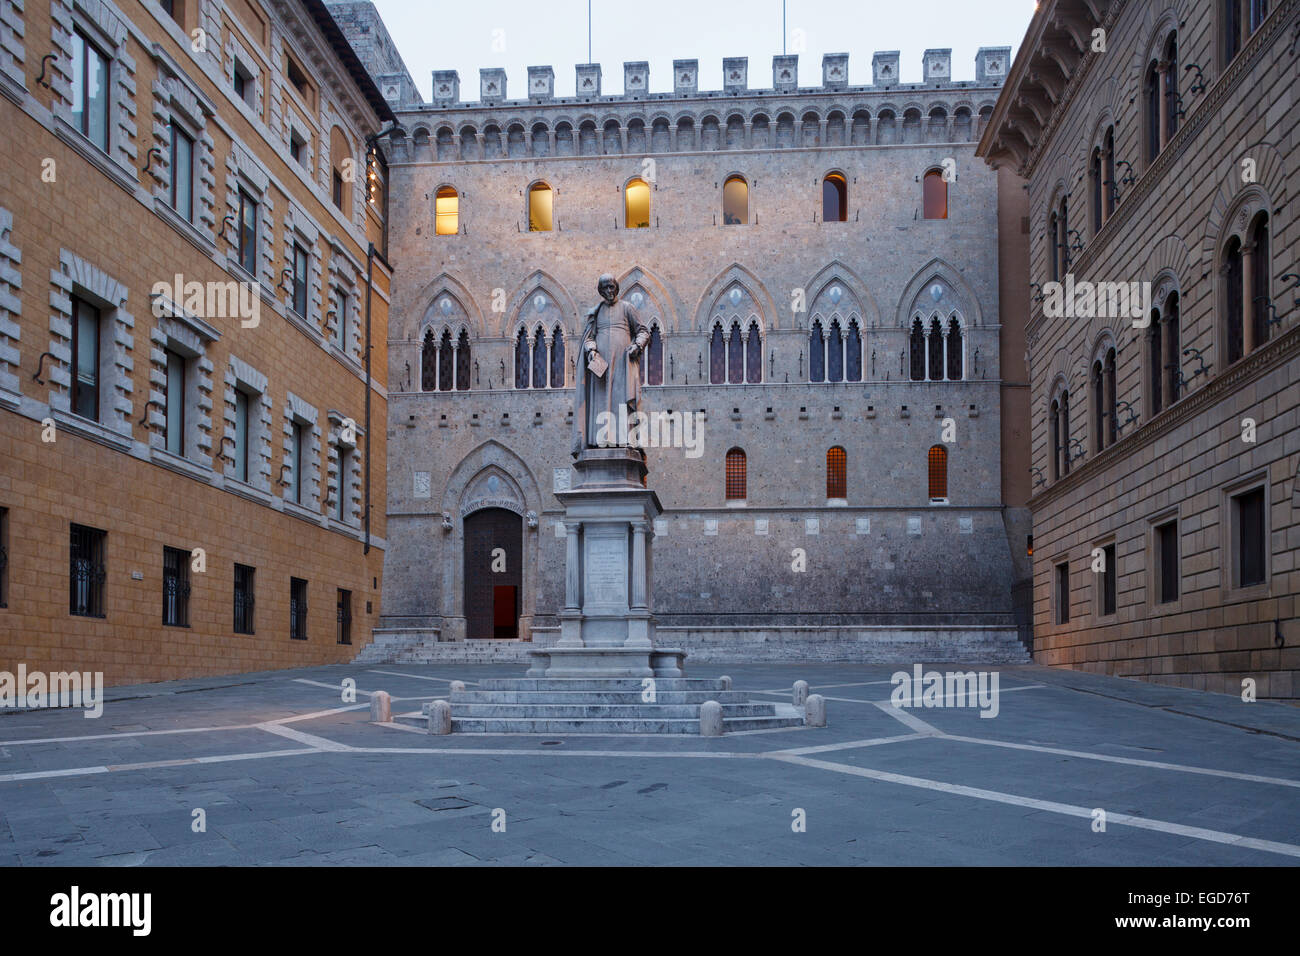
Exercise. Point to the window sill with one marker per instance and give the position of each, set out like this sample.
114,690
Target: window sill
303,326
939,502
837,502
301,512
1237,595
738,503
91,430
182,465
246,490
185,227
94,155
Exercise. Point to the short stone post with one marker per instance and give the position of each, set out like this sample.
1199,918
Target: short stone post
457,686
815,712
381,707
710,719
440,717
725,681
800,692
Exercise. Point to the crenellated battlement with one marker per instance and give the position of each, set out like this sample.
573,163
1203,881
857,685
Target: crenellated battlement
991,65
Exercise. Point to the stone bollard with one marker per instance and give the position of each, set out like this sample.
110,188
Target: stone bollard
381,707
800,693
440,717
815,713
725,681
457,685
710,719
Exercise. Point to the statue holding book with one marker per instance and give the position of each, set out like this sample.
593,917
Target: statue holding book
608,370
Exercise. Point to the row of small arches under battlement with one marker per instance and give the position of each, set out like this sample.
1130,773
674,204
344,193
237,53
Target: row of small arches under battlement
757,130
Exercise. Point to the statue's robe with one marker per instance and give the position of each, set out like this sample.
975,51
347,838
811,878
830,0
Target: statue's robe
613,329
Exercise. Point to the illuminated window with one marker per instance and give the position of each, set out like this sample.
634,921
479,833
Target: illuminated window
735,201
938,460
835,198
836,479
736,490
636,203
540,202
447,212
935,195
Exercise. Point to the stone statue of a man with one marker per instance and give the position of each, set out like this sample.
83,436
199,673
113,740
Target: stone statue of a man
612,342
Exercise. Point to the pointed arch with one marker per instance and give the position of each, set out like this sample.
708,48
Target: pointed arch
764,304
660,300
443,284
940,270
538,281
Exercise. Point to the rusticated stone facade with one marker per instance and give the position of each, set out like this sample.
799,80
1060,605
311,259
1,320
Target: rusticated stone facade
1168,445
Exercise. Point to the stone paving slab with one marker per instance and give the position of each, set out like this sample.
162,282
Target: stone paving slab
336,789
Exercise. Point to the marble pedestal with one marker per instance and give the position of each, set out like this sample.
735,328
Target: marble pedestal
607,626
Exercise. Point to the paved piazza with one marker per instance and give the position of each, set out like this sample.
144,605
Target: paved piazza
286,774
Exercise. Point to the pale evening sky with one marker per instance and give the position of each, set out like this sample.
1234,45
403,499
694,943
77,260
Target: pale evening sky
514,34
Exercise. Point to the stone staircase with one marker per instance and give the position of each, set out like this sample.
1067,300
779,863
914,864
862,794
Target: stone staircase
421,646
605,706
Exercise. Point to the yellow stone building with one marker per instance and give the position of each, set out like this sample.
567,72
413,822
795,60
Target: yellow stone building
193,317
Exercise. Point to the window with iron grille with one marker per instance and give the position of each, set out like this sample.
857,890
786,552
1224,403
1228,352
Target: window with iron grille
736,490
938,462
836,479
86,572
243,599
343,616
297,609
176,587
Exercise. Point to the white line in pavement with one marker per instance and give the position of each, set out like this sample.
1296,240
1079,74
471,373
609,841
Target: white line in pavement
907,719
1050,806
848,745
444,680
1132,761
156,764
132,733
320,743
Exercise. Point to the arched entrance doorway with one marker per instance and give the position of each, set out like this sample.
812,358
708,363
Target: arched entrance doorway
493,578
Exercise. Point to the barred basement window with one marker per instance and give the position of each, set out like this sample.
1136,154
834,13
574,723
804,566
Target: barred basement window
343,617
176,588
1109,576
1167,565
938,462
86,573
1249,538
1062,593
736,477
244,599
836,478
297,609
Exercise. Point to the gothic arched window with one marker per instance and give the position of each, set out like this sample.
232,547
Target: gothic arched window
954,347
539,358
754,355
918,351
836,477
934,365
557,358
853,353
735,355
462,361
938,467
717,356
446,358
446,205
429,363
1234,313
653,363
835,353
816,353
521,359
1173,349
736,477
1156,363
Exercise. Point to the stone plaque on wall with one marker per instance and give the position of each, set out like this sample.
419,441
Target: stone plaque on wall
560,479
423,485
